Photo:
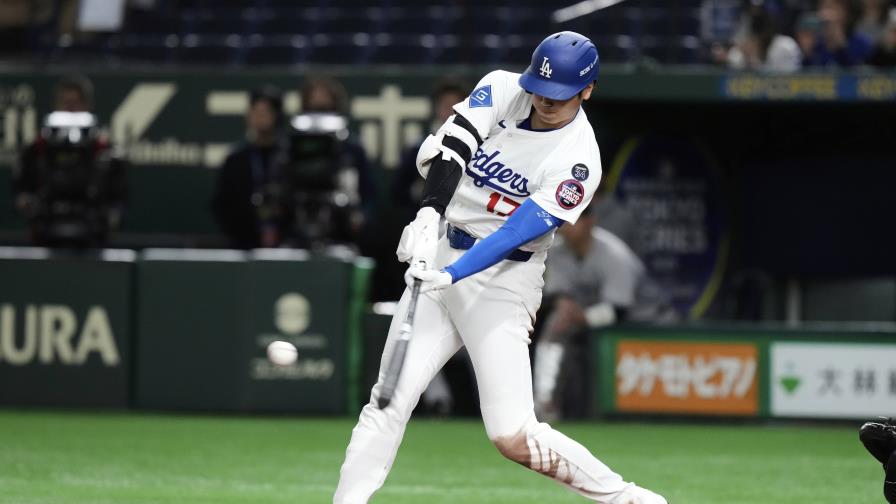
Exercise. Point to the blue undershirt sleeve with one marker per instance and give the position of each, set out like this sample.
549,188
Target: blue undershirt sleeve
527,223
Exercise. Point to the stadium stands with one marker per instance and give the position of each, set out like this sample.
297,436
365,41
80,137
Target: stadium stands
275,32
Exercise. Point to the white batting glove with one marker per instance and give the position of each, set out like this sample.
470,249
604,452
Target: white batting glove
419,240
430,280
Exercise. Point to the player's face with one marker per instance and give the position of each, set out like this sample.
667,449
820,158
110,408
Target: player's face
551,113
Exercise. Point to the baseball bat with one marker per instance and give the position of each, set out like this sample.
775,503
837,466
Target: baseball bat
396,362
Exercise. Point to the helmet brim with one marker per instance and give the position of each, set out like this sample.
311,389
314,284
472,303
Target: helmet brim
552,90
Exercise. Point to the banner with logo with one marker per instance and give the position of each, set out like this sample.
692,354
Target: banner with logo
833,380
205,319
687,377
307,303
680,375
65,328
671,187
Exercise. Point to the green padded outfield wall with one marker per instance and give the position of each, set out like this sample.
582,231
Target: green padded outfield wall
65,328
205,319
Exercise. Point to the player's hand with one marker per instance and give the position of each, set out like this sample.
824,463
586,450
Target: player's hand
419,240
430,280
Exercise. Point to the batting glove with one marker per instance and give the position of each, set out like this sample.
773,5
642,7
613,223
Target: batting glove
419,240
430,280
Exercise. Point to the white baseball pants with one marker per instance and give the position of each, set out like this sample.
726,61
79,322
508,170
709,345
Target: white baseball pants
492,314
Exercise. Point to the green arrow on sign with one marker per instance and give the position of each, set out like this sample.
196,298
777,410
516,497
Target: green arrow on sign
790,383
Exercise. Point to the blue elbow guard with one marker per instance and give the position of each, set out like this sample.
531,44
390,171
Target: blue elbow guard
527,223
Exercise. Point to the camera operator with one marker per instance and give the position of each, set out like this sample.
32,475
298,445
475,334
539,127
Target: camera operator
69,183
327,180
247,202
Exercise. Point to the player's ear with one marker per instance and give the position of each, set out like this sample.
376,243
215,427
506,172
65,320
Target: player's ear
586,93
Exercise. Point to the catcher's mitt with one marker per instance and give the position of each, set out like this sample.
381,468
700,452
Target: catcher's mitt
879,438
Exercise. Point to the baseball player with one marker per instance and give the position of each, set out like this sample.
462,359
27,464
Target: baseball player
516,160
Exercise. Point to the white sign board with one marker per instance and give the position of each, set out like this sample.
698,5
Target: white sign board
833,380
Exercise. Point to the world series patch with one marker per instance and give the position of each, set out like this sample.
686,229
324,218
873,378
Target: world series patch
580,172
569,194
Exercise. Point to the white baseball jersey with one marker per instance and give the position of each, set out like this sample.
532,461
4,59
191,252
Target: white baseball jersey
560,169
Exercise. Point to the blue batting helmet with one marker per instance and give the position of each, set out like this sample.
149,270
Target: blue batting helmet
562,65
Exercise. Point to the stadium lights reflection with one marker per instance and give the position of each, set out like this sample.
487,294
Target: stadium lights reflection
62,119
328,123
581,9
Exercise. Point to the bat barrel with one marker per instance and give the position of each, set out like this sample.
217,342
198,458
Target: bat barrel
396,362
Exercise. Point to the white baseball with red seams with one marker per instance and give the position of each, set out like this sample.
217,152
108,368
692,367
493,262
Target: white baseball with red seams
493,311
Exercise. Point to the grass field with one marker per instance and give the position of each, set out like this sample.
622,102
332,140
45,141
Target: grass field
118,458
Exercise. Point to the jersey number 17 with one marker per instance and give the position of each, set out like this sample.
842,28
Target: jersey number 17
495,198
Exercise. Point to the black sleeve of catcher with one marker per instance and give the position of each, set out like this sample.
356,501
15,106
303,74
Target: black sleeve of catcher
890,479
443,177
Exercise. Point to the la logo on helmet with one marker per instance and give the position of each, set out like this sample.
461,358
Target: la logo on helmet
545,68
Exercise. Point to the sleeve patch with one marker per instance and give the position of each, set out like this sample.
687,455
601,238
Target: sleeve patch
569,194
580,172
481,97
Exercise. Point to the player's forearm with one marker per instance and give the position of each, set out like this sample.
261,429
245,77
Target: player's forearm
444,175
527,223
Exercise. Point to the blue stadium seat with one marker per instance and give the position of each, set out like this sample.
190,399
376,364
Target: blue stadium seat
272,22
222,21
407,50
333,49
482,22
149,21
147,47
211,49
689,22
338,21
280,51
489,31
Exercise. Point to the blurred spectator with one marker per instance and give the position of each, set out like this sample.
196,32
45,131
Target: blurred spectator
872,19
763,47
247,203
407,185
14,18
719,20
74,94
327,95
884,54
808,33
70,183
593,280
839,43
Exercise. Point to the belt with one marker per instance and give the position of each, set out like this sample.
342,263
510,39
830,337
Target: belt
461,240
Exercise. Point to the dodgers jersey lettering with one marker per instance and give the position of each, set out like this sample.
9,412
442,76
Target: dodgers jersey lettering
559,169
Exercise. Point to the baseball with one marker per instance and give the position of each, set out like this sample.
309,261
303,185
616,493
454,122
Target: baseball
282,353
